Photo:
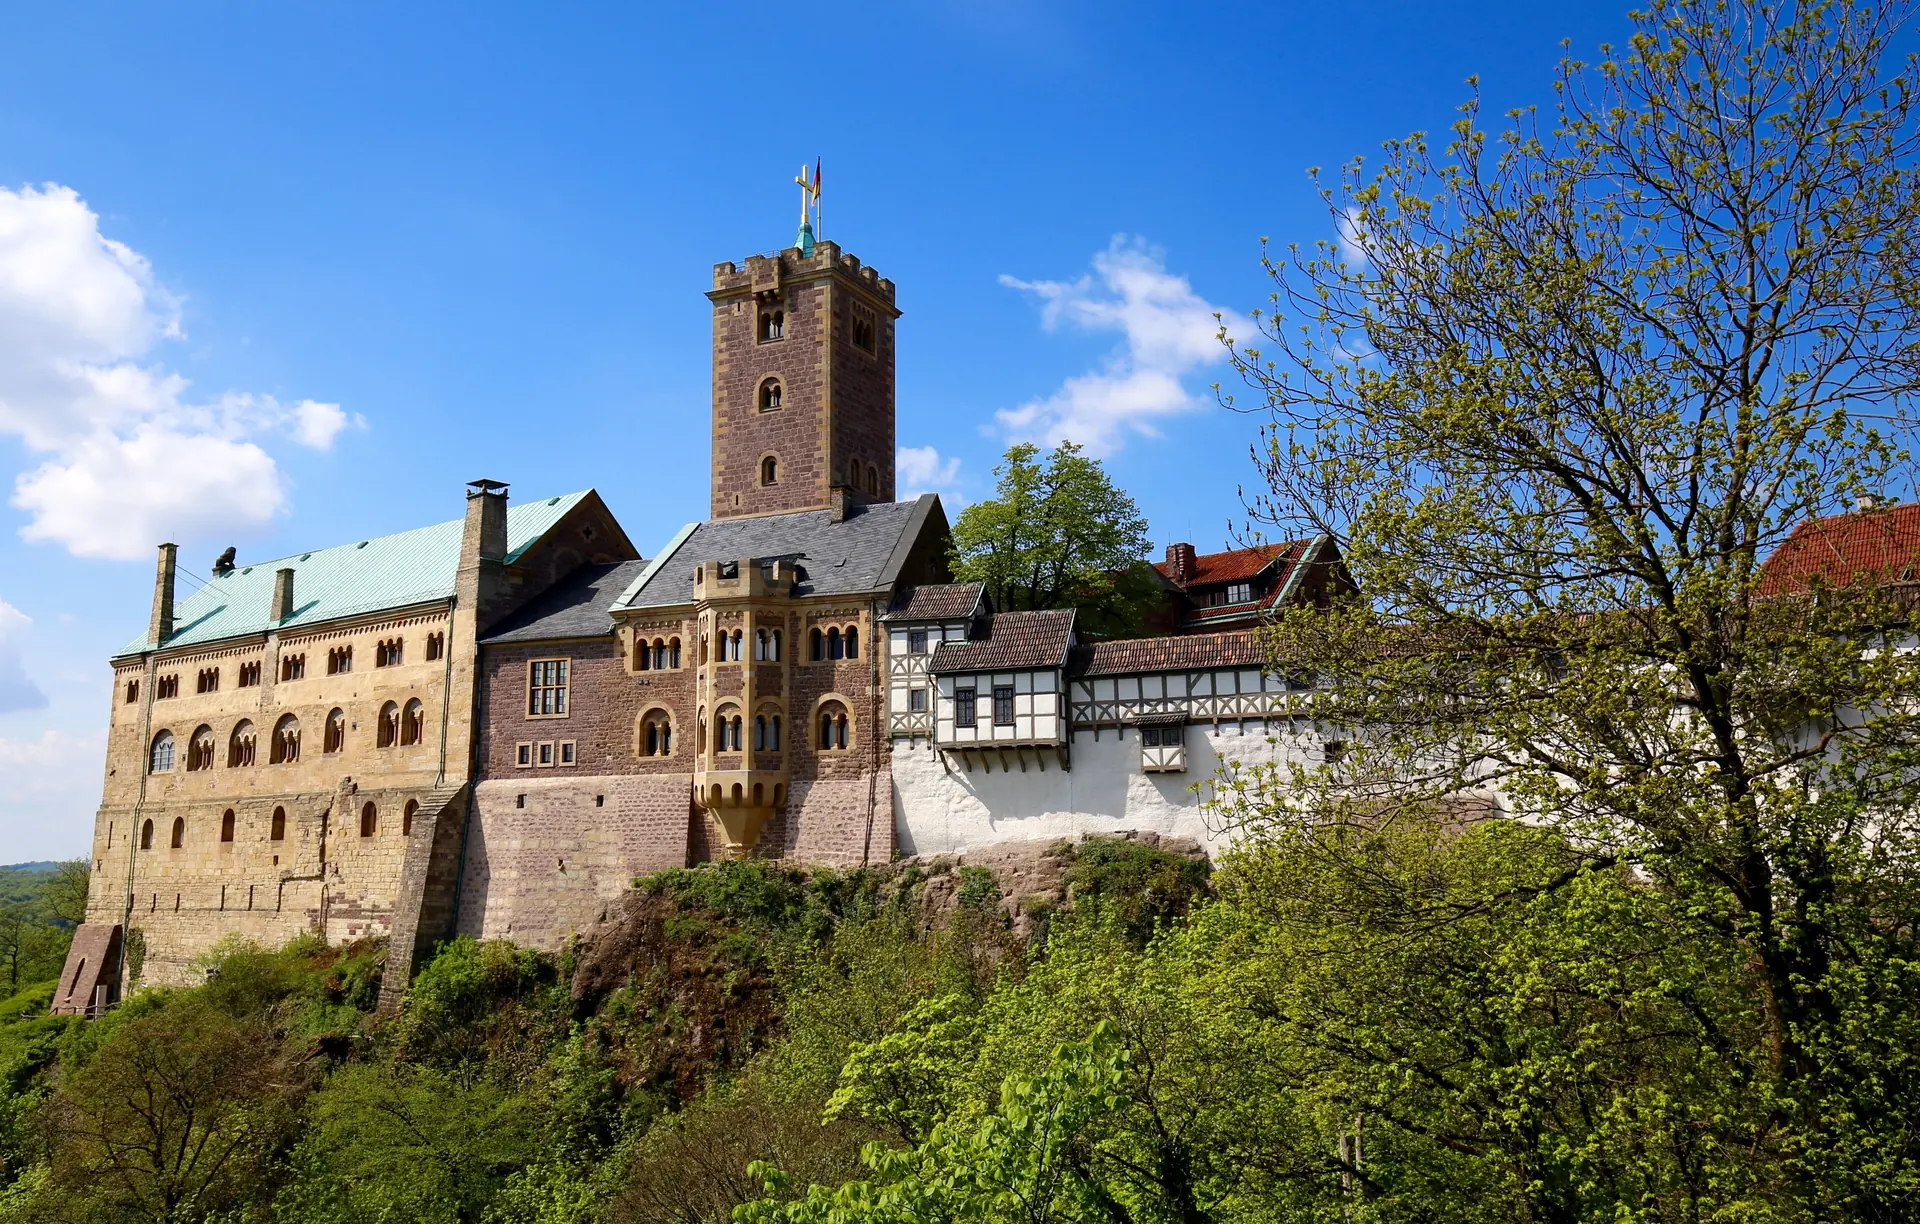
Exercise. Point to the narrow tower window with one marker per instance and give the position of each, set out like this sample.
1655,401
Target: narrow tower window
769,471
770,395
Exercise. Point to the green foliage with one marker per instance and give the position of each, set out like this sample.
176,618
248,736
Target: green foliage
39,909
411,1142
1057,534
907,1080
482,1002
1144,885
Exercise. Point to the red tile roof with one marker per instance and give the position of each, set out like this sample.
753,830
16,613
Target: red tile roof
1011,640
951,601
1188,651
1236,566
1872,545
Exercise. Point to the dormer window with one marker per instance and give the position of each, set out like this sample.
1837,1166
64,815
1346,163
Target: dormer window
773,325
1240,592
770,395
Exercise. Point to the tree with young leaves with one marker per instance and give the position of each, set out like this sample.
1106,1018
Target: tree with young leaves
1058,534
1559,393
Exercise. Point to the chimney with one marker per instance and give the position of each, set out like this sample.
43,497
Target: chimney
160,628
1183,562
837,500
282,595
481,583
1871,501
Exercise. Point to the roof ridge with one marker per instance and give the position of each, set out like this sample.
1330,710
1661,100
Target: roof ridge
387,535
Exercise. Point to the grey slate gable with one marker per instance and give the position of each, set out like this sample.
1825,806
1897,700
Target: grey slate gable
575,607
861,555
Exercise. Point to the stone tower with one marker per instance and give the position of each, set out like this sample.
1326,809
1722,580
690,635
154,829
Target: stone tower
802,383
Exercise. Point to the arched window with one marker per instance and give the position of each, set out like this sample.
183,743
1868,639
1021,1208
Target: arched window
833,727
279,830
769,470
816,645
853,642
146,835
656,734
387,731
406,817
226,825
179,832
836,645
673,653
336,736
760,733
760,645
436,646
643,657
369,819
773,324
770,395
161,759
726,729
413,722
240,744
703,652
773,646
285,748
200,749
873,480
730,645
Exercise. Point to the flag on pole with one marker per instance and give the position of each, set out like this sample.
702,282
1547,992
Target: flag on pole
816,178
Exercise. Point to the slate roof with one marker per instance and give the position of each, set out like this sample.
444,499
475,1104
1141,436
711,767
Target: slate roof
1161,654
390,571
862,554
947,601
1870,545
574,607
1010,640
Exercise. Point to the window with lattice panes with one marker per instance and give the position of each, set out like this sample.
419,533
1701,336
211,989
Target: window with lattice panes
547,688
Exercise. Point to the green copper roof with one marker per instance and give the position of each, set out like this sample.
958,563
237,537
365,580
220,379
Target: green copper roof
390,571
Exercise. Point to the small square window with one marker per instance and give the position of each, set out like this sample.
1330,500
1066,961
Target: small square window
916,641
546,753
566,752
522,755
917,701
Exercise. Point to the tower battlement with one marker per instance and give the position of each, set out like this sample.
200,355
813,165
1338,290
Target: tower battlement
755,272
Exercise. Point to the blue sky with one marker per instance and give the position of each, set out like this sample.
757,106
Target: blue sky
282,278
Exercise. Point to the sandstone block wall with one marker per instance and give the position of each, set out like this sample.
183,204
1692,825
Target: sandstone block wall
546,855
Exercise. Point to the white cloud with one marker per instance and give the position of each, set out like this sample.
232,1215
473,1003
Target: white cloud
922,469
128,458
1349,240
17,691
1167,330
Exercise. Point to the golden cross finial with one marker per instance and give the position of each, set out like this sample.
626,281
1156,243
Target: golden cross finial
807,193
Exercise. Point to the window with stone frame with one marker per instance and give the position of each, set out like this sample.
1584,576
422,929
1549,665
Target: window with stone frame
864,330
249,675
165,687
773,325
390,652
339,660
160,759
285,748
207,681
386,727
335,738
436,646
656,734
835,727
413,723
200,749
547,688
133,691
293,667
240,746
770,470
772,395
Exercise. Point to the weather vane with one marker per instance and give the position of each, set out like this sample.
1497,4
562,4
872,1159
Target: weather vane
809,208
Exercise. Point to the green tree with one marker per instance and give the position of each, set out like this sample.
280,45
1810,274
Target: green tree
1058,534
178,1116
1571,388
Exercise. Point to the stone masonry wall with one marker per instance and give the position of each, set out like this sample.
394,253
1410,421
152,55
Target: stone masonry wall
546,855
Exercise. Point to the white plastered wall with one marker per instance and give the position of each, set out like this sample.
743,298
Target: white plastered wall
944,809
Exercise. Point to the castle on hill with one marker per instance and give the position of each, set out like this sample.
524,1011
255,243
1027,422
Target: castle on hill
491,725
